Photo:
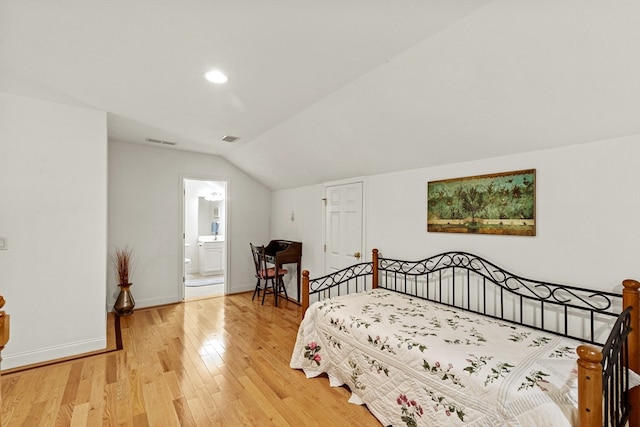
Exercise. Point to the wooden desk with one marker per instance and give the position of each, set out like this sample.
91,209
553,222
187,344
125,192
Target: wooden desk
281,252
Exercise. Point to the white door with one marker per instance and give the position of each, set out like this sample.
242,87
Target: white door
343,226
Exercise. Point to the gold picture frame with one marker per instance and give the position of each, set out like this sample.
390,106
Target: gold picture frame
500,203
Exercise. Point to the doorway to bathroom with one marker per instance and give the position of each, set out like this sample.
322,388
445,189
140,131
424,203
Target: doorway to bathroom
205,239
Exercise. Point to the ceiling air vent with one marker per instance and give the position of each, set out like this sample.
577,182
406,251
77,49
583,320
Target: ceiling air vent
229,138
159,141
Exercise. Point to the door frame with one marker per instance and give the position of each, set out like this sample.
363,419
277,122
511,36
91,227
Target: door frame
227,220
325,185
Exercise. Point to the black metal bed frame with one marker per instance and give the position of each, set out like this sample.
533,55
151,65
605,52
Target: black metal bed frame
471,283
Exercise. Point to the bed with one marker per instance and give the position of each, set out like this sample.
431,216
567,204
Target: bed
454,339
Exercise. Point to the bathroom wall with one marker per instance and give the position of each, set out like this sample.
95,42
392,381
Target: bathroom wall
198,222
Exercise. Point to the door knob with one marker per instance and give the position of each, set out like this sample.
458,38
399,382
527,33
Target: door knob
357,255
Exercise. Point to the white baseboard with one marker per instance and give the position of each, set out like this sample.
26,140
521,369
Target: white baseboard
42,355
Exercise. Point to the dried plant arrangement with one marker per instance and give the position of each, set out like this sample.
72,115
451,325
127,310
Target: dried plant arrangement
123,262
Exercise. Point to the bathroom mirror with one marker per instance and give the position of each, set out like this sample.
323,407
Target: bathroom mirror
209,214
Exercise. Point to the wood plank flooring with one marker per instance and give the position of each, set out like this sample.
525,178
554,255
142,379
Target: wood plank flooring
220,361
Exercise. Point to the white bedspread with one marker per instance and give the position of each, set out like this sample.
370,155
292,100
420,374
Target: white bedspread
415,363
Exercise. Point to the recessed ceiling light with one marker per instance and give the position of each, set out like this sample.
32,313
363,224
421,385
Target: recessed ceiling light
215,76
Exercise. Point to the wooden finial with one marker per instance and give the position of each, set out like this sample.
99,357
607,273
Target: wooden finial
589,355
631,284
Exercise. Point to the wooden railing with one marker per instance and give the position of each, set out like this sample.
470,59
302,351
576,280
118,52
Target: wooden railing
4,326
4,338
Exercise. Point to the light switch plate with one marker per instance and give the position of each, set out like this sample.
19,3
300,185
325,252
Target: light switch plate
3,244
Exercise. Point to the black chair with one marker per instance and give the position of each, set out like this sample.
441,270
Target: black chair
268,280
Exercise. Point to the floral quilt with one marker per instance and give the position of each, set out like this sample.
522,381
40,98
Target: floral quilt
416,363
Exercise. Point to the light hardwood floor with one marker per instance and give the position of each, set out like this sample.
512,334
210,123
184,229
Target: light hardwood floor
209,362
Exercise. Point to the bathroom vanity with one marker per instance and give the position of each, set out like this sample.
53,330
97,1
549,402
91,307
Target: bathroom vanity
211,259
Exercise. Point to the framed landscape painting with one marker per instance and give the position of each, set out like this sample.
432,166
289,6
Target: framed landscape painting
500,203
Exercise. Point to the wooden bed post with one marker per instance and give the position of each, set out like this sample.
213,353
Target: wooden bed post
305,292
631,298
374,261
589,386
590,367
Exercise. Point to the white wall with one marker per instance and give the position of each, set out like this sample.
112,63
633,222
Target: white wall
53,195
146,212
305,203
587,214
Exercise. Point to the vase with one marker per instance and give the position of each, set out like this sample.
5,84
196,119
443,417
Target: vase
125,302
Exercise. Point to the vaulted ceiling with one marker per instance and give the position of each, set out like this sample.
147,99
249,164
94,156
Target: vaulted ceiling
325,90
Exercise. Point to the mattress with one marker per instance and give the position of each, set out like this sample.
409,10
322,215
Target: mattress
417,363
